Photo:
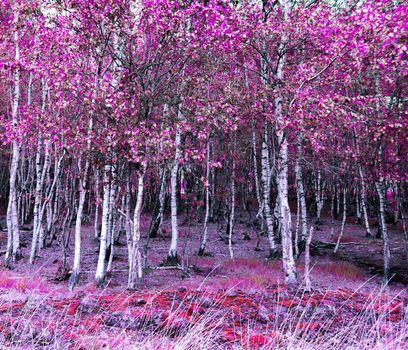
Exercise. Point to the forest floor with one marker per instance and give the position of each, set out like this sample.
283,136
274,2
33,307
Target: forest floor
216,303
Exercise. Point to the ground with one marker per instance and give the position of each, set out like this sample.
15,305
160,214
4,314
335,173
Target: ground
216,303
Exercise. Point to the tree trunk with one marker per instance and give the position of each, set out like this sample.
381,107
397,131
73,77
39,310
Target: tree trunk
162,197
135,257
358,207
100,269
255,161
172,258
297,252
301,194
96,219
48,199
403,219
289,266
319,198
232,213
343,221
332,214
76,270
266,192
308,283
156,222
383,225
13,229
204,237
111,224
363,201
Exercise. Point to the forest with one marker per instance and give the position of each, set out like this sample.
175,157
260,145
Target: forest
203,174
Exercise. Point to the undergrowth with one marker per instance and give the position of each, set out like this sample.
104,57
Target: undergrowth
37,326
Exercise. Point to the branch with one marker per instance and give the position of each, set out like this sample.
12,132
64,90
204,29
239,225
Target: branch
122,213
312,79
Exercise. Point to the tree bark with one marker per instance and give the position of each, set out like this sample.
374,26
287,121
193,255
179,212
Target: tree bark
363,201
266,192
301,194
76,270
13,228
204,237
112,220
135,257
100,269
343,221
319,197
97,196
308,283
289,266
383,225
256,179
172,257
232,213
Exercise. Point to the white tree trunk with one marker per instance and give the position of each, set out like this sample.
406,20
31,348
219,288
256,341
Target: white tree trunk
308,283
135,256
302,198
343,221
297,253
266,191
40,178
257,191
207,204
363,201
319,197
386,249
47,200
332,214
358,207
381,188
96,219
111,222
232,213
83,189
162,197
337,199
128,221
37,227
13,236
100,269
45,176
289,266
172,257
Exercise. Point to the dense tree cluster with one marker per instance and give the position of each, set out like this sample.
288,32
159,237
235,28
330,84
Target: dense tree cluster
111,108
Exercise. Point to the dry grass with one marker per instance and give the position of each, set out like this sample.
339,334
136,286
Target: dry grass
250,274
342,269
346,238
35,327
21,283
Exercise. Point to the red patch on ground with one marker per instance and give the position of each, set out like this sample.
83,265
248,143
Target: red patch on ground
230,335
13,306
288,302
73,308
195,309
394,317
308,326
257,340
356,307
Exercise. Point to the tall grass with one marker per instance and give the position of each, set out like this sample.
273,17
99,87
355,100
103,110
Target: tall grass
37,325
